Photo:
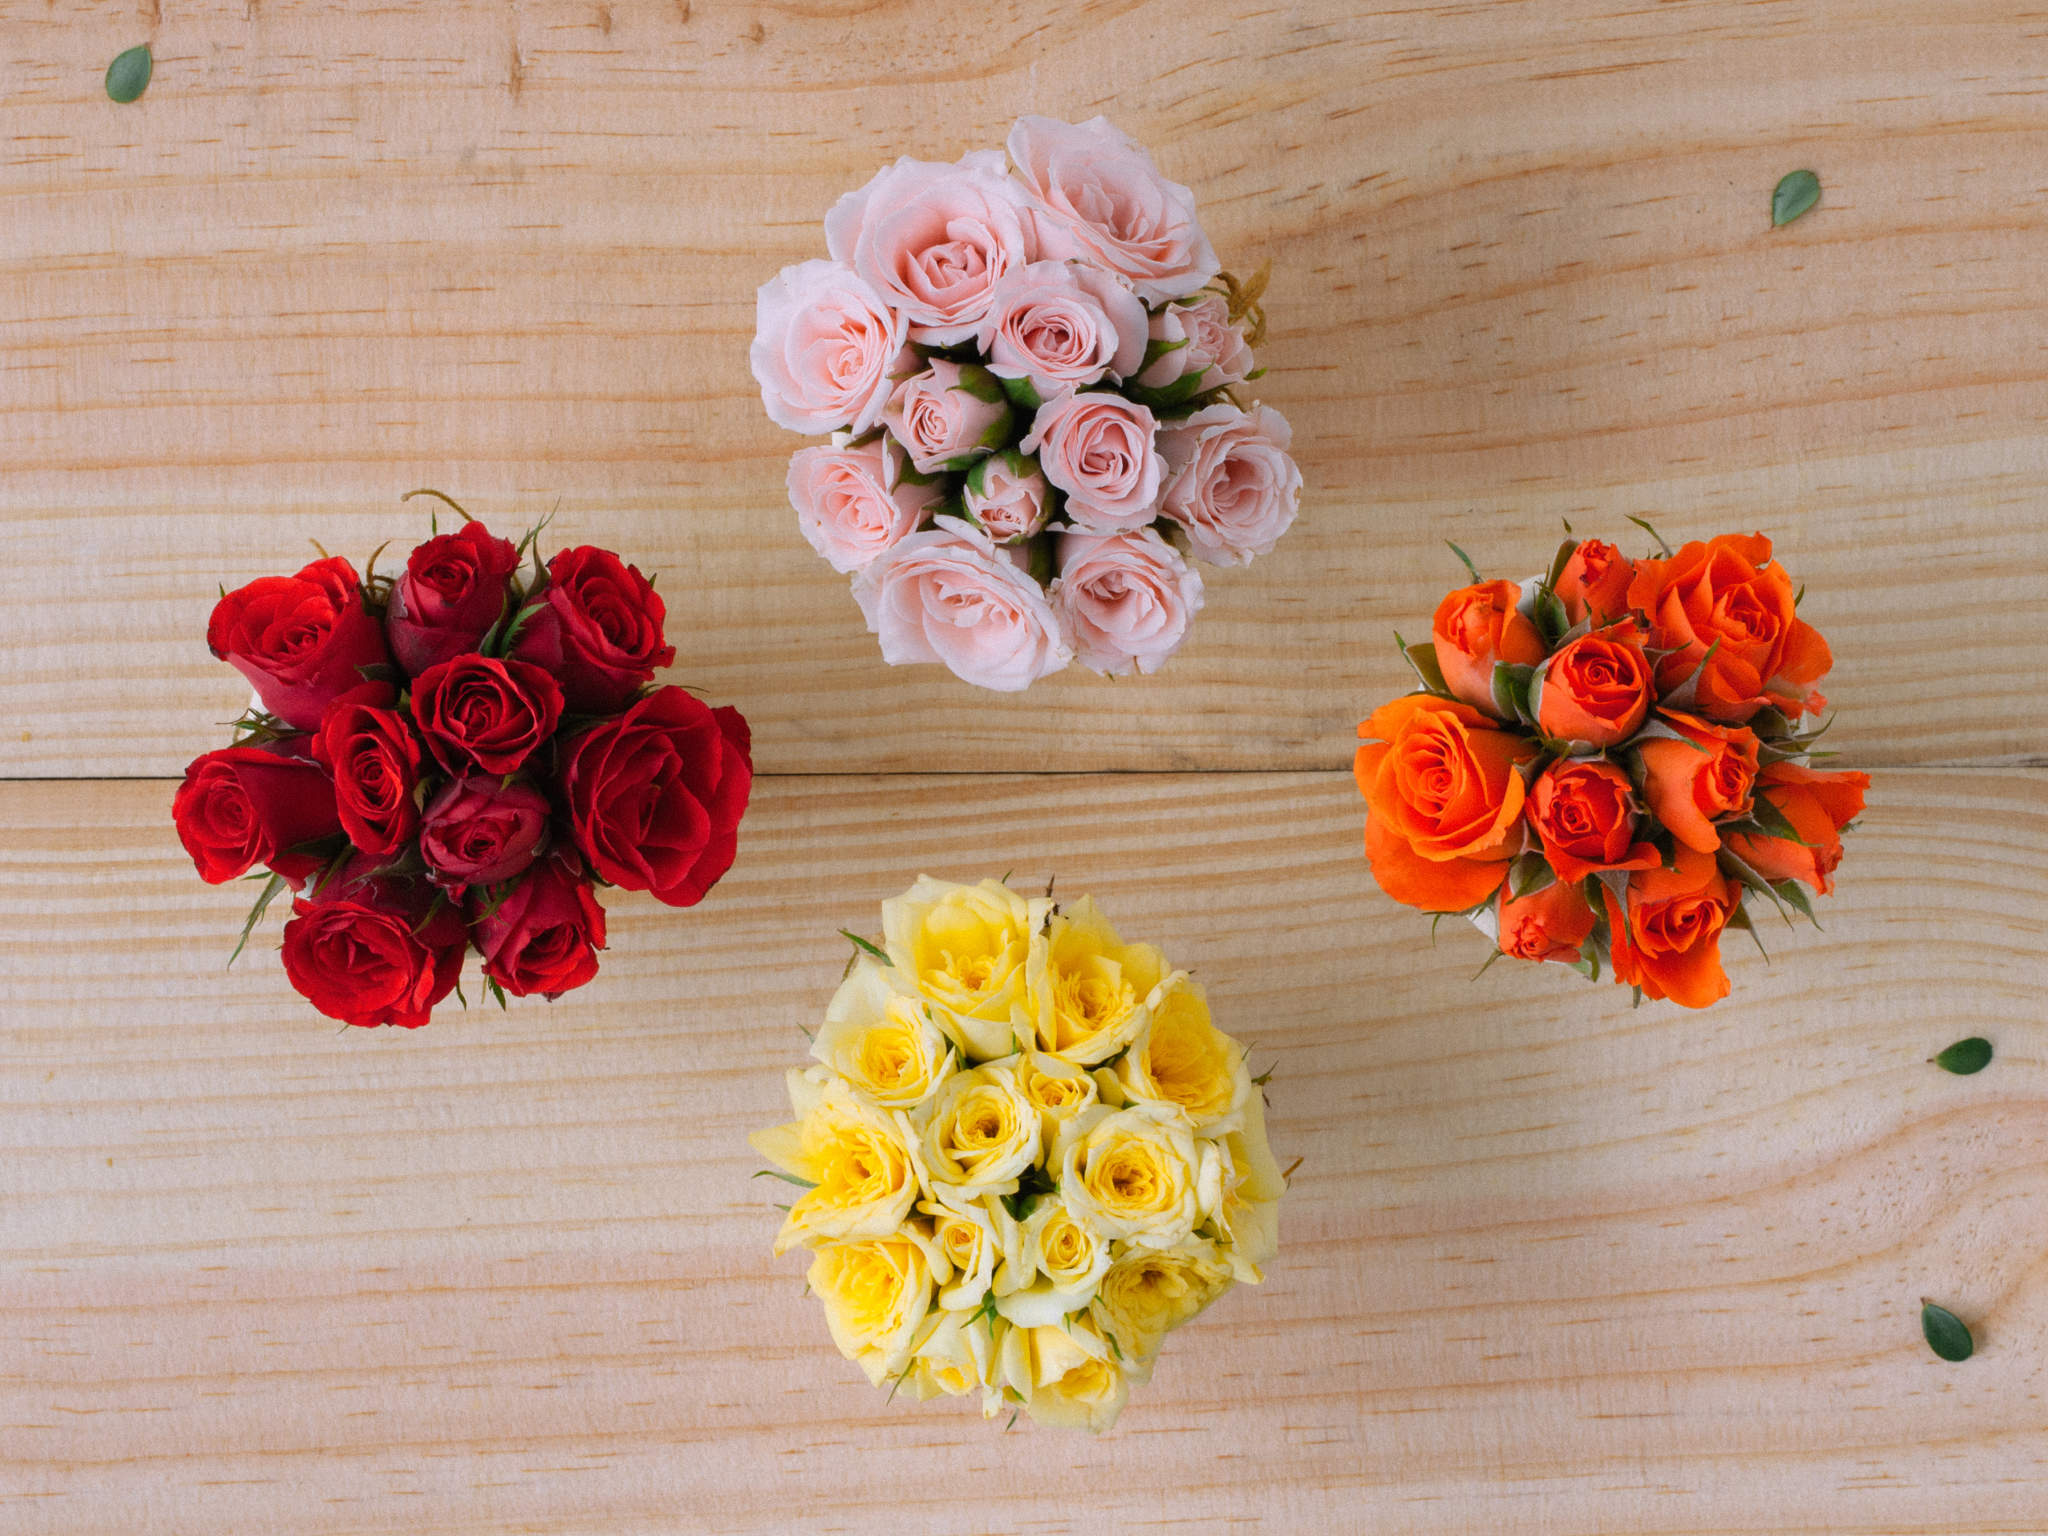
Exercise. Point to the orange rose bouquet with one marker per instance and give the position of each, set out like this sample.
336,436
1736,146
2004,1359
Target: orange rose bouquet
1602,766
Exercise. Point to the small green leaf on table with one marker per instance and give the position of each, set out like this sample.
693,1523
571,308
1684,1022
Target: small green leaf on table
128,75
1946,1335
1966,1056
1795,194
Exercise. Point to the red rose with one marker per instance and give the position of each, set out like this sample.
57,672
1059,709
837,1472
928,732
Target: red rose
1595,581
453,590
597,628
244,806
544,936
375,762
480,712
374,950
480,831
655,796
302,641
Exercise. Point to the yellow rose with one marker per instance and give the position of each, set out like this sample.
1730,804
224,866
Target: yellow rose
875,1292
1148,1293
1139,1174
882,1042
980,1134
1181,1058
1062,1258
1058,1089
979,1243
860,1159
1091,993
954,1353
1066,1375
1249,1213
962,948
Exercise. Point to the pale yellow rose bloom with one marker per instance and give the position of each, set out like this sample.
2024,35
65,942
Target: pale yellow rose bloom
861,1160
963,948
1091,993
980,1133
1066,1376
979,1243
1249,1215
1059,1089
1063,1261
1148,1293
953,1354
1182,1058
875,1293
1139,1174
881,1041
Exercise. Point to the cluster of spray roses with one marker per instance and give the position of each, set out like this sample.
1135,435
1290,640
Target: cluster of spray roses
455,757
1027,1154
1608,762
1028,381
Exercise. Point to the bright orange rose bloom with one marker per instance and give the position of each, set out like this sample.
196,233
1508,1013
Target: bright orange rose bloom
1818,805
1692,787
1443,788
1598,689
1595,581
1669,943
1549,924
1585,812
1727,591
1476,626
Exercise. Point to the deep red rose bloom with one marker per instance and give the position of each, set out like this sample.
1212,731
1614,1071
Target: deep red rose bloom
479,831
365,950
302,641
375,761
244,806
597,627
483,713
655,796
545,935
453,590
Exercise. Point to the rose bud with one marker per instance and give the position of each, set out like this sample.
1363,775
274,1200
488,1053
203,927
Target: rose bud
244,806
655,795
1103,451
1669,940
1475,627
454,589
1231,483
1597,689
1007,495
598,628
1550,924
483,713
1692,784
1061,327
373,950
1818,805
948,415
544,936
852,503
375,763
1195,348
1585,813
1729,598
480,831
1124,599
303,641
1595,582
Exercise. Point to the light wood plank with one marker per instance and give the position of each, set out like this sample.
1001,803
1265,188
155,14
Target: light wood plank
1550,1264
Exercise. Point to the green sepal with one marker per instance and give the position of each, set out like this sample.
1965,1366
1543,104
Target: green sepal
1466,560
1644,524
1022,393
875,951
1528,874
984,386
1428,671
271,887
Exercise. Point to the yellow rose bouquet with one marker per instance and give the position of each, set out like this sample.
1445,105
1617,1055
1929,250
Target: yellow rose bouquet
1026,1155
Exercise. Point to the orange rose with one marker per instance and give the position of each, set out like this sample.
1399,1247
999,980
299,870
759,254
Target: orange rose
1694,783
1818,805
1595,580
1476,626
1549,924
1597,689
1669,944
1444,794
1585,812
1729,597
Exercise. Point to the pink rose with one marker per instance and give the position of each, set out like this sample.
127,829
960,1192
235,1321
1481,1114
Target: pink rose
853,502
1006,493
1125,599
1098,197
827,349
934,240
1205,348
1061,326
1232,486
1101,449
948,595
948,416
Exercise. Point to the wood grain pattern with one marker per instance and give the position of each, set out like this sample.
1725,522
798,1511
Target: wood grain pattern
1550,1264
1523,271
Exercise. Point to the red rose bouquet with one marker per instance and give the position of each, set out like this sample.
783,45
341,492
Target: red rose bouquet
1605,764
454,757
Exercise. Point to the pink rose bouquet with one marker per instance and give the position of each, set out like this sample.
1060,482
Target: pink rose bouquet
1030,375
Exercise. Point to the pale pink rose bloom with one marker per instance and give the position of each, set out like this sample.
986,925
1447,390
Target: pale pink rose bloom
1062,325
852,502
825,349
1232,485
934,239
1098,197
942,415
1101,449
1125,599
949,595
1204,342
1006,493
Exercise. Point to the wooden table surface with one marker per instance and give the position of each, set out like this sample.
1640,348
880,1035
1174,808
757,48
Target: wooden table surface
1550,1264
